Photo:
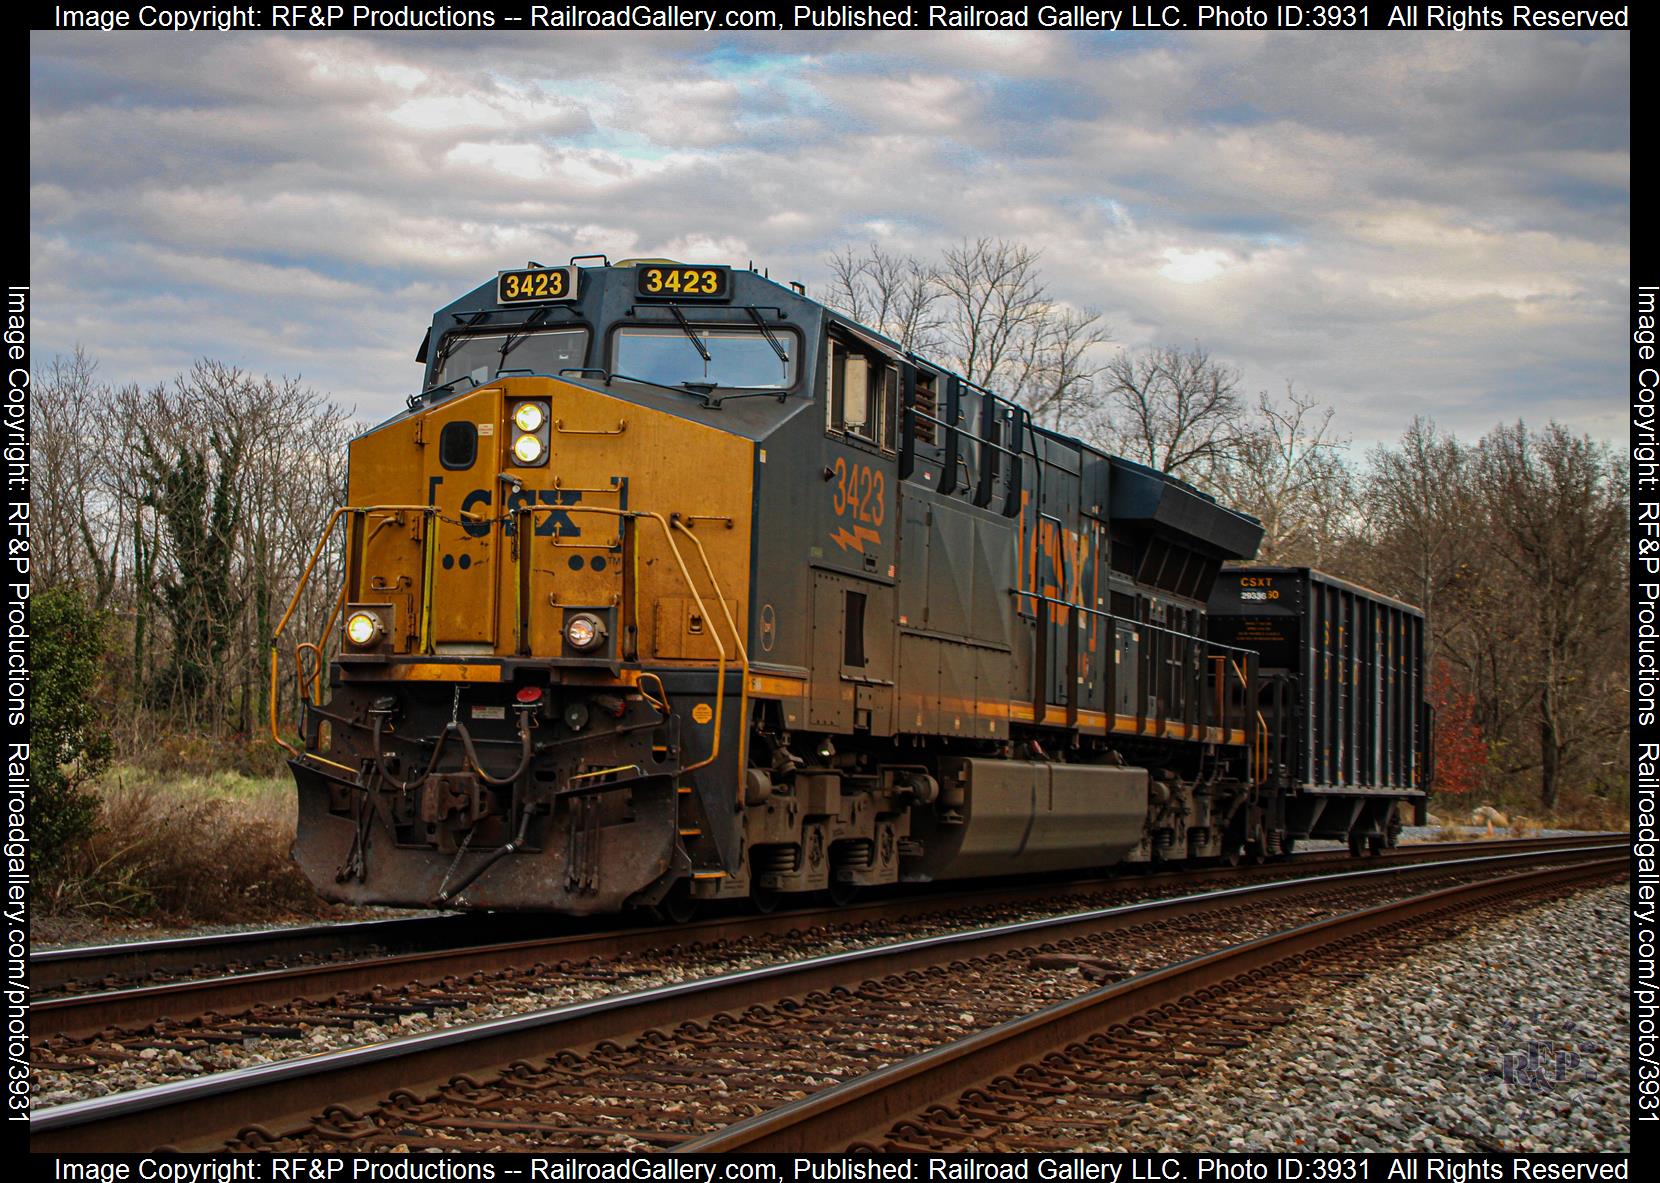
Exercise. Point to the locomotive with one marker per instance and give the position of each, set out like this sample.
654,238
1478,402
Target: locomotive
674,584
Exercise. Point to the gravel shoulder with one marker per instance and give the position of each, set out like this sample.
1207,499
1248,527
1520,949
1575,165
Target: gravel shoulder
75,931
1515,1037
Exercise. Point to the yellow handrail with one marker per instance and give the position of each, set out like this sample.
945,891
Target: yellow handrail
743,653
428,553
299,589
322,647
697,598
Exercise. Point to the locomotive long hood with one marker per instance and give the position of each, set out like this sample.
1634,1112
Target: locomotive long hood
1145,495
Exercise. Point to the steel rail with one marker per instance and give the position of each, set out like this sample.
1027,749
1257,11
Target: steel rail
207,1111
428,949
865,1108
51,968
90,1012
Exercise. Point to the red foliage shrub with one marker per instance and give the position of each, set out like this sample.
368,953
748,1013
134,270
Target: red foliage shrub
1460,749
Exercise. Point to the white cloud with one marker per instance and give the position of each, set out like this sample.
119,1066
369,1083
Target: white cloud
1433,222
1193,266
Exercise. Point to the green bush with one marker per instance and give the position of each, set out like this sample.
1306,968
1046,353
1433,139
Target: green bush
69,744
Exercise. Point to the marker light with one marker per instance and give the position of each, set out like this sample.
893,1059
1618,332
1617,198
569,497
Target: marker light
583,631
363,628
527,449
528,416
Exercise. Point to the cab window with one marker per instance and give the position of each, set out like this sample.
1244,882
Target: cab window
864,395
544,352
737,357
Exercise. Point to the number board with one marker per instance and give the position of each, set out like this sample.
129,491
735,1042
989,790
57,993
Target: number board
679,282
536,285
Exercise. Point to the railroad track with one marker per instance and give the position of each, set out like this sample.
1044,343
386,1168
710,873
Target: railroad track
1050,1081
133,964
82,990
861,1003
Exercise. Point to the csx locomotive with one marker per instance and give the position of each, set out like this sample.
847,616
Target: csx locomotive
675,584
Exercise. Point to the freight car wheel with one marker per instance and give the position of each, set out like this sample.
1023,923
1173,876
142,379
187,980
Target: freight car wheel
843,894
764,900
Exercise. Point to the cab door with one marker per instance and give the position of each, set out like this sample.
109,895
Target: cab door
463,466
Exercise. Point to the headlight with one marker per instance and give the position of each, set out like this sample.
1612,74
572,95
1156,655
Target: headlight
528,416
363,628
584,631
527,449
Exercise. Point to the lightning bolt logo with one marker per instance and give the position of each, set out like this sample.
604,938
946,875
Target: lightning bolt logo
856,538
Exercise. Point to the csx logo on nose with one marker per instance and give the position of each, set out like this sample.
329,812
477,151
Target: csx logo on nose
547,524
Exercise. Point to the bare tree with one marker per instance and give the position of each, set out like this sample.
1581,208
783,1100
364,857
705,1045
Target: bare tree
75,529
993,298
1418,509
1557,521
1286,468
984,312
295,475
1172,409
1514,549
190,507
894,294
1055,375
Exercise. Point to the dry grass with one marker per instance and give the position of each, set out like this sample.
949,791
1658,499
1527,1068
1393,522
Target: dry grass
1590,812
187,848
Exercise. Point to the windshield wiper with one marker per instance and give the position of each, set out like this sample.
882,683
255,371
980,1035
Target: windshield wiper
452,340
691,334
514,340
760,323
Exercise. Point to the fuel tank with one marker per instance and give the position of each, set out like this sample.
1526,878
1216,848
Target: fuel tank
1013,817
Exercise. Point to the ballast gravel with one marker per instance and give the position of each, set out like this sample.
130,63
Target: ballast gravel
101,1066
1514,1037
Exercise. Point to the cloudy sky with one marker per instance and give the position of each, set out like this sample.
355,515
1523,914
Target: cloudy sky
1398,223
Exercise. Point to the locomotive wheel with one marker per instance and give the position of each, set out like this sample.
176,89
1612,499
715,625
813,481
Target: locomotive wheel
764,900
678,906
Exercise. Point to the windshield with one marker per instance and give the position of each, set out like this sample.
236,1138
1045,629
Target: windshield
545,352
738,357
